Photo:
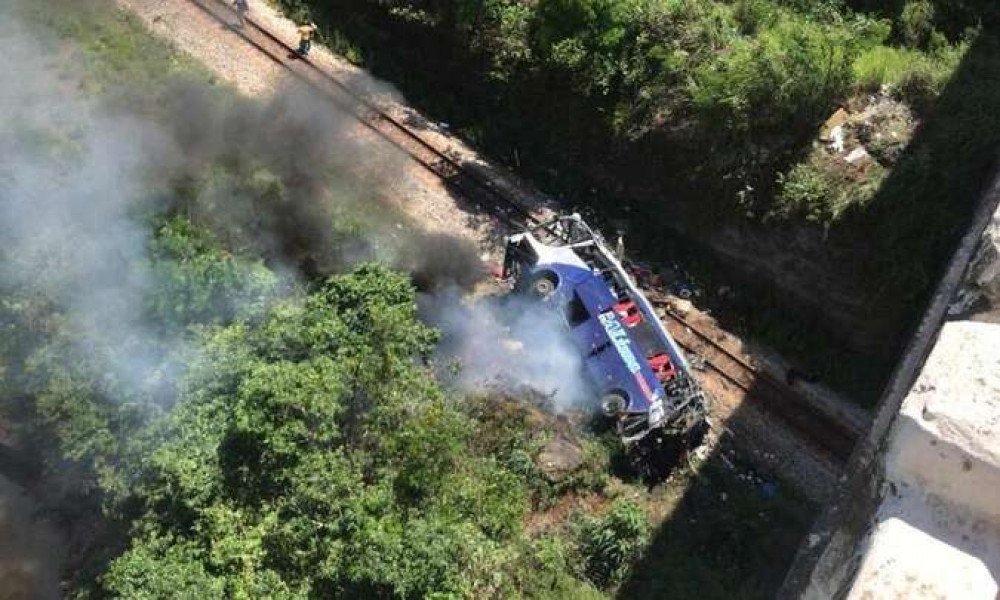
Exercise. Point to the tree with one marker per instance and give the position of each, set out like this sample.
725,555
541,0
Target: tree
312,453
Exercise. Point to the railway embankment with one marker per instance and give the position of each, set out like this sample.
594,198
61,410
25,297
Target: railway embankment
920,516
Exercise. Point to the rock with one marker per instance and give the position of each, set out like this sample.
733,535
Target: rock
983,278
560,457
681,306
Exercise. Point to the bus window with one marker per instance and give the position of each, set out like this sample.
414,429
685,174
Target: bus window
576,312
526,253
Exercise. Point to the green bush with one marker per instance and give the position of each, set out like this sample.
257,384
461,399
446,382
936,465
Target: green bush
609,545
805,192
543,571
917,77
196,281
784,78
754,15
916,23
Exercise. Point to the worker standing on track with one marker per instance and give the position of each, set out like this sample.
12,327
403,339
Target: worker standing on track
306,33
242,8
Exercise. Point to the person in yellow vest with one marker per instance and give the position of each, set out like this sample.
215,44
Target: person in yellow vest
306,34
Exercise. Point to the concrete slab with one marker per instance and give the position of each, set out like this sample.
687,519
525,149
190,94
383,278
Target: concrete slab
937,532
908,562
947,437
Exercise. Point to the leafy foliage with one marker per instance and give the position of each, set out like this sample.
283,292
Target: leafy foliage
312,454
198,282
609,545
806,191
916,23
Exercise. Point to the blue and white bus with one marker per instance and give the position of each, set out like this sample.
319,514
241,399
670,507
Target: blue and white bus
640,374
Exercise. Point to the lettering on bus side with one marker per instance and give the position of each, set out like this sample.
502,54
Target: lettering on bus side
619,337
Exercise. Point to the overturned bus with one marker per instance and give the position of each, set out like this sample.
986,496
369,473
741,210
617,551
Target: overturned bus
638,371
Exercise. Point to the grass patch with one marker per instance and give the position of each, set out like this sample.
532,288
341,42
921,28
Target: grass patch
816,193
917,77
114,47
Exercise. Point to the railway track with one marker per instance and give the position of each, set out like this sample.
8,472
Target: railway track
831,437
472,186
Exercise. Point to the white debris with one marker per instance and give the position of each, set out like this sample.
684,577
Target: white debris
512,345
837,139
857,155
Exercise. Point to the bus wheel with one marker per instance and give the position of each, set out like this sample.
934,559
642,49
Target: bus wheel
613,404
542,286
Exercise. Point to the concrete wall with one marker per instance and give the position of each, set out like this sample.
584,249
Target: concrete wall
937,529
917,513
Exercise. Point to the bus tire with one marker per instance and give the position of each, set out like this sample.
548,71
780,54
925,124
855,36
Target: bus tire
543,285
613,404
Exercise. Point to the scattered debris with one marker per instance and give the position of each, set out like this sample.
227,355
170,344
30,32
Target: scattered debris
877,131
697,362
857,156
681,307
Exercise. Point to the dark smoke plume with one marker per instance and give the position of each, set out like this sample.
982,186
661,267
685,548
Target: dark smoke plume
293,171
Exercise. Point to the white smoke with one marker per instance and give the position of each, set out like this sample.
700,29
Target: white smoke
73,197
509,344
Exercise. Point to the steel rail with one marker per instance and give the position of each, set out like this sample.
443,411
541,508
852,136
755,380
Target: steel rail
448,169
834,436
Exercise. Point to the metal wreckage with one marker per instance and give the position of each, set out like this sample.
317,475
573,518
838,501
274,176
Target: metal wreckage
638,371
